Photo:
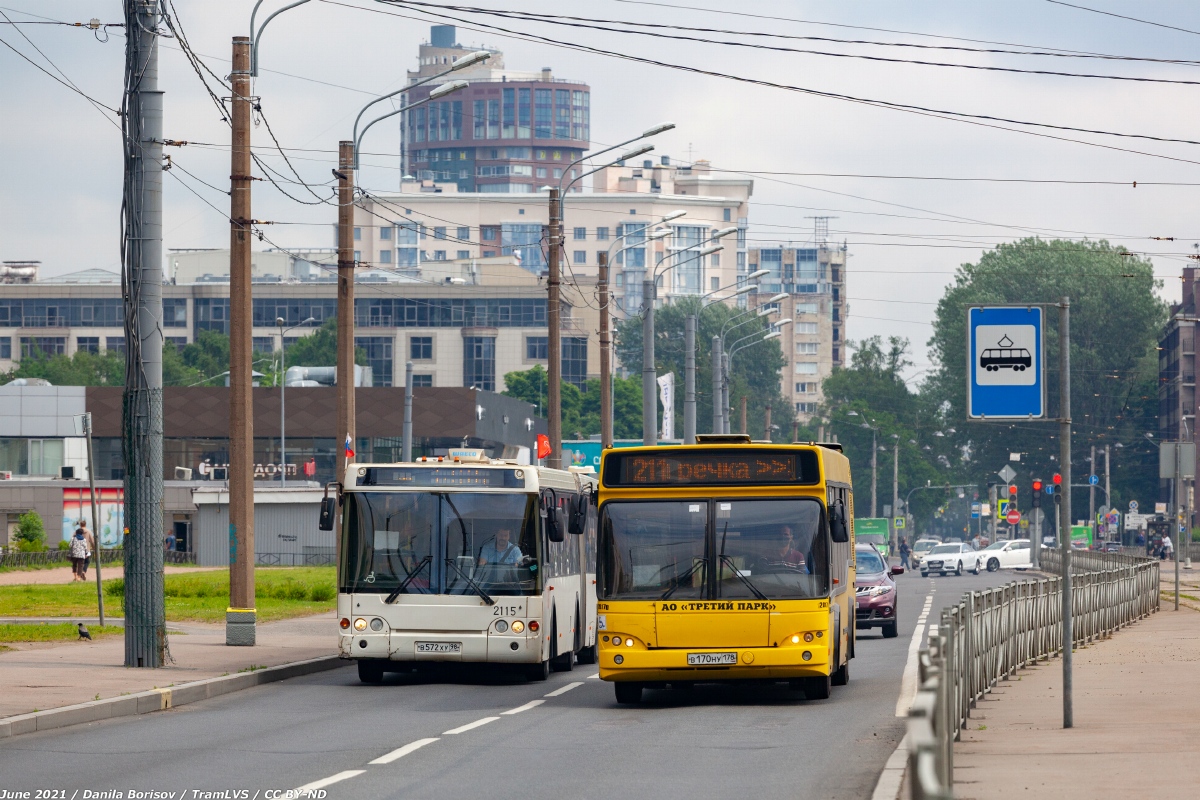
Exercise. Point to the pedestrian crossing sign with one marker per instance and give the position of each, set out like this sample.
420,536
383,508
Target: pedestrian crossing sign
898,523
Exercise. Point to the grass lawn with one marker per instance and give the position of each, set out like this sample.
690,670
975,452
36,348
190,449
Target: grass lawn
280,593
52,632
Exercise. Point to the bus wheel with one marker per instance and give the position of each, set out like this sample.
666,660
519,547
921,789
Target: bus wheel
370,671
629,694
564,662
539,671
818,688
588,655
841,675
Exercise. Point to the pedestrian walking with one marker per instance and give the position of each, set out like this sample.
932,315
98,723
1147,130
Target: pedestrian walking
79,553
1167,548
905,552
90,541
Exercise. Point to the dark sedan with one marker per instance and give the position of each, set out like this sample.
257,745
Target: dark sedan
876,591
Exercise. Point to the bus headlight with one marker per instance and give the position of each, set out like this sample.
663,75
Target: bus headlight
360,624
806,655
618,659
502,626
517,626
617,641
377,624
808,637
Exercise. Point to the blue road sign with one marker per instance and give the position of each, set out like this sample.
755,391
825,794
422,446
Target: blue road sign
1005,363
1093,480
1049,488
1133,506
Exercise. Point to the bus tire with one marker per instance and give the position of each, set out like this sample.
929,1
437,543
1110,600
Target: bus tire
538,672
841,675
817,688
370,671
588,655
561,662
629,694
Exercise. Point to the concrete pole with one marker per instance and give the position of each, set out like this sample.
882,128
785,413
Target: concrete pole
1064,457
726,409
992,500
1179,504
406,443
87,428
554,335
282,410
717,357
745,427
767,415
649,375
1107,485
874,472
345,307
689,379
896,495
241,619
606,398
1092,490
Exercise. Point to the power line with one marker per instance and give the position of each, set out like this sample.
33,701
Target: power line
1122,16
57,79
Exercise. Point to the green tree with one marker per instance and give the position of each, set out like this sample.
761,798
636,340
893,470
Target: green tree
319,348
106,368
1115,322
31,533
756,369
580,409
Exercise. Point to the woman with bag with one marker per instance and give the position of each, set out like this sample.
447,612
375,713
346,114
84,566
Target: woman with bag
79,550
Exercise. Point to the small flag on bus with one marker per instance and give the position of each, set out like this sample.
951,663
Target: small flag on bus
349,449
543,445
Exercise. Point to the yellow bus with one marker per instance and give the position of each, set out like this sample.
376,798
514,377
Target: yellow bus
725,560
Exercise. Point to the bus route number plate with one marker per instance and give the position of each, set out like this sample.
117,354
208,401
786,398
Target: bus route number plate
439,647
711,659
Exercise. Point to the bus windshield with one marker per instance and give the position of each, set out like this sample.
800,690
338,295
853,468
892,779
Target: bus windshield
439,543
709,549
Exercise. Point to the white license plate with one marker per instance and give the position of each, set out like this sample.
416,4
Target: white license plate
711,659
439,647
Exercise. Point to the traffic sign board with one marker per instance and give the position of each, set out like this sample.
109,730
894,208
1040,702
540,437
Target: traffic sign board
1007,473
1093,479
1005,369
1133,506
898,523
1013,516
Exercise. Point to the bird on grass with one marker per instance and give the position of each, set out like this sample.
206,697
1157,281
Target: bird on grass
83,632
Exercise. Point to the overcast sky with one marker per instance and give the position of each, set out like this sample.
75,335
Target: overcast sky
60,157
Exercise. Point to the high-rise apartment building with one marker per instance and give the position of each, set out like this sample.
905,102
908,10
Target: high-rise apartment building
814,278
1177,370
508,132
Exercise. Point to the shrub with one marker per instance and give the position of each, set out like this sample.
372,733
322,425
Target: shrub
322,594
31,533
115,588
64,545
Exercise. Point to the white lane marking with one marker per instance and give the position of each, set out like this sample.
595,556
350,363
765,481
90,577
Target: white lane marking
321,784
564,689
594,677
470,726
908,683
401,752
526,707
888,785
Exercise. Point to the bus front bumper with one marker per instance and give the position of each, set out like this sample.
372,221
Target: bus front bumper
472,647
753,663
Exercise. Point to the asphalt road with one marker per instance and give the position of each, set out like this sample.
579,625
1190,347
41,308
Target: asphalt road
478,734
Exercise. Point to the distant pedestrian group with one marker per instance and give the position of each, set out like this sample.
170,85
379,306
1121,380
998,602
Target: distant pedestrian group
81,546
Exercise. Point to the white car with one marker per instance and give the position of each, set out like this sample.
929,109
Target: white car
944,558
1005,554
922,546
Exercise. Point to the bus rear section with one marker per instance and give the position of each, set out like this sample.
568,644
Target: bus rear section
489,563
709,572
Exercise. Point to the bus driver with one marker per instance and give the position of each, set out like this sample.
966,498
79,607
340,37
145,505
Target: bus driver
500,550
787,555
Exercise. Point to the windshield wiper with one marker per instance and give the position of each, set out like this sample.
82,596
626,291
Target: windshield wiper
679,581
391,598
738,574
470,582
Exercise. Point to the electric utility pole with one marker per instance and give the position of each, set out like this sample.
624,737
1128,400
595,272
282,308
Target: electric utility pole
553,336
1064,519
141,285
606,398
345,305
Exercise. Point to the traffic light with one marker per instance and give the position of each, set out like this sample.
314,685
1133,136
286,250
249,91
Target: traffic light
1057,489
1036,498
1012,495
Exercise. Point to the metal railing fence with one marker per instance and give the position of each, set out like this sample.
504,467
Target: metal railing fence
989,634
109,555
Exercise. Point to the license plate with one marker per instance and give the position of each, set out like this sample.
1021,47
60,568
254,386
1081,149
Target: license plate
711,659
439,647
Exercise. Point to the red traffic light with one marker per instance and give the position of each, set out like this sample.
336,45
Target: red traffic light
1037,485
1057,479
1012,489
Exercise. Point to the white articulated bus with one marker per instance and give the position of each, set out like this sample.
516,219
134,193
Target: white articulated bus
465,559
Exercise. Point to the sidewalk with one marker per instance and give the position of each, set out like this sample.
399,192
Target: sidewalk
63,574
1135,720
50,676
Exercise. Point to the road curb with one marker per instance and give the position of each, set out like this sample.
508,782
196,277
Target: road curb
161,699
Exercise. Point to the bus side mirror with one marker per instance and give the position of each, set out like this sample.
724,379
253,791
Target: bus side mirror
328,510
553,518
838,531
578,517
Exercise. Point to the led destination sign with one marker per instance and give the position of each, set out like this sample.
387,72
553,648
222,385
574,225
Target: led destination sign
711,468
443,476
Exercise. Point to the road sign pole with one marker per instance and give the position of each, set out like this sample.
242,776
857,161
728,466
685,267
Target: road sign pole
1064,521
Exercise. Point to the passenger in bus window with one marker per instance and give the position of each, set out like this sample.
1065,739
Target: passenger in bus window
500,550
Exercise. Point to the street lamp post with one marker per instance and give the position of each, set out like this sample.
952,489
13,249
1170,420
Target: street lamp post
280,321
